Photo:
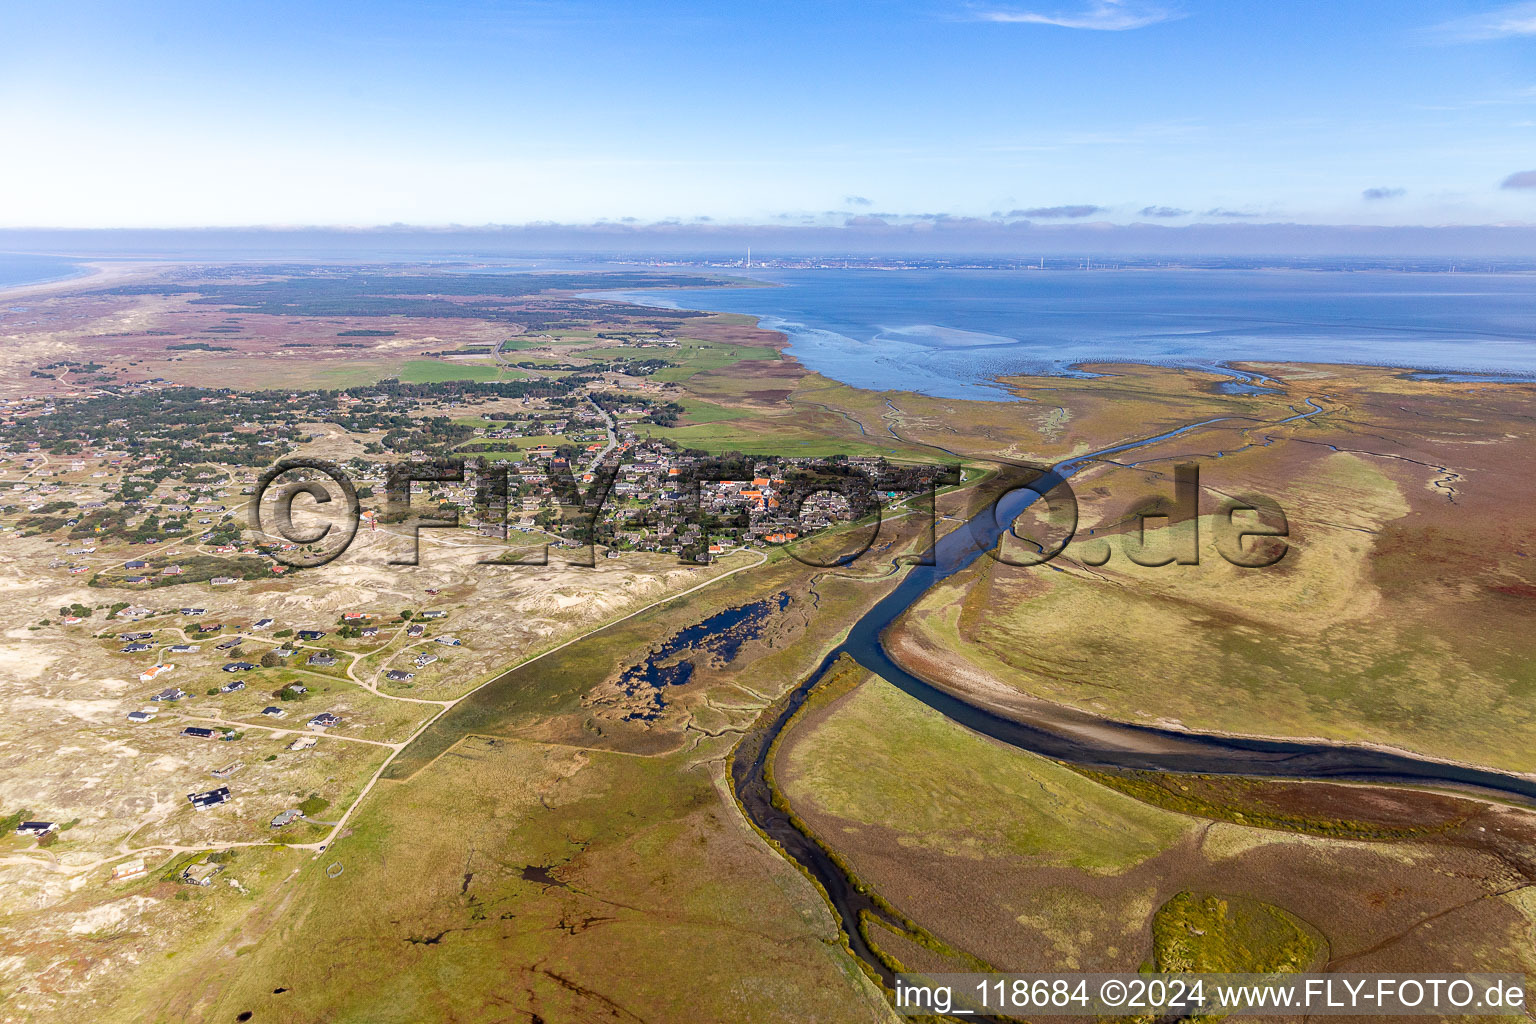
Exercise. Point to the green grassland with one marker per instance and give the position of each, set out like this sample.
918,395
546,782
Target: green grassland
884,759
436,371
696,410
724,412
1228,935
751,437
191,925
562,874
694,356
520,344
499,455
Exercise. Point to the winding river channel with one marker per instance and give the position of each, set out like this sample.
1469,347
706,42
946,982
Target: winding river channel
1060,733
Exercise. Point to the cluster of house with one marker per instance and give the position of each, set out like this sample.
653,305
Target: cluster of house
213,797
650,482
319,722
650,509
531,426
138,642
139,571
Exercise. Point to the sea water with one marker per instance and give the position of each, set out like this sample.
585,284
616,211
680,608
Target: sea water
950,333
17,269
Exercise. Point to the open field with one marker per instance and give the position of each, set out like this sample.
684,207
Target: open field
960,797
1008,858
543,879
432,371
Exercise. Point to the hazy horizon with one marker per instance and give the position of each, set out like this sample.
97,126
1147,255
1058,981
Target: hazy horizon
936,238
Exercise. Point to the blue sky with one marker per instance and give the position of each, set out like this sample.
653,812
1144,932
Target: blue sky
498,111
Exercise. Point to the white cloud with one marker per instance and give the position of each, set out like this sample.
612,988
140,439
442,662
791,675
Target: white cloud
1098,15
1511,20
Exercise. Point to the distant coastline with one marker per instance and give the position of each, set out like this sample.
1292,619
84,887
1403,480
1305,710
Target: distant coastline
957,333
48,277
19,270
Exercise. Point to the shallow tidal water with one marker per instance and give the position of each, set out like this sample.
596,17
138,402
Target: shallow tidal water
950,333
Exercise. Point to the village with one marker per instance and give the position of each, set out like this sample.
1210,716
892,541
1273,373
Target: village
151,487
